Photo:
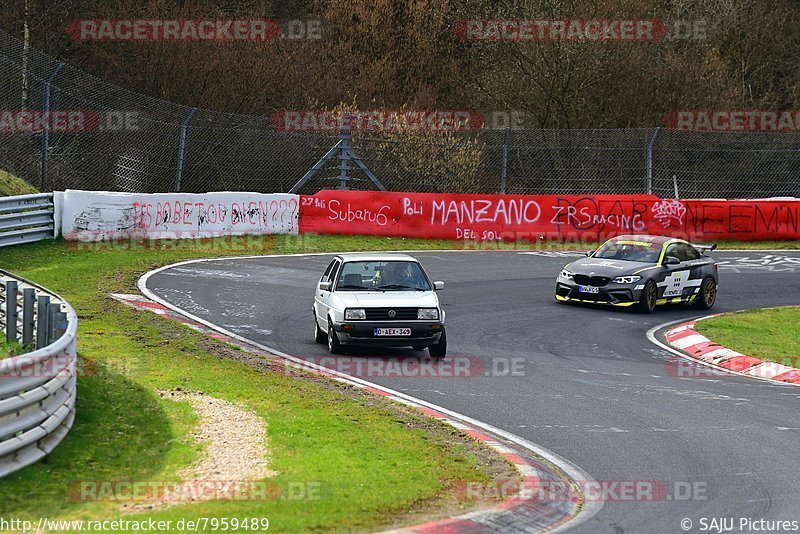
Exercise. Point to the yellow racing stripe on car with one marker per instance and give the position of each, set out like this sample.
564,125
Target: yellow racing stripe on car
673,300
565,299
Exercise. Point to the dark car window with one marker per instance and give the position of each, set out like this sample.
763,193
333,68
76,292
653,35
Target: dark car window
386,275
689,252
335,271
643,251
672,250
682,251
327,276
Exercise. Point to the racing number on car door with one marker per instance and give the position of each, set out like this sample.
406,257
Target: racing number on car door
676,282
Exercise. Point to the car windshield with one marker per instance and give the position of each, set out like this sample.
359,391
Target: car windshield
642,251
382,275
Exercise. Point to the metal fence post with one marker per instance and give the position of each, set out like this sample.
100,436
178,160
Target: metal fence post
344,146
52,310
60,325
46,125
42,304
650,145
504,164
11,311
182,149
28,324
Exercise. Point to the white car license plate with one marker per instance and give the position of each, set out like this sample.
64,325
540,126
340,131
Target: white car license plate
392,331
588,289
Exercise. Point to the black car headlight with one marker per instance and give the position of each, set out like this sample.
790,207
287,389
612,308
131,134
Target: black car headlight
626,279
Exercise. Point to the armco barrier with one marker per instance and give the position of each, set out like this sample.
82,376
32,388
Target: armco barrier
26,218
37,389
544,217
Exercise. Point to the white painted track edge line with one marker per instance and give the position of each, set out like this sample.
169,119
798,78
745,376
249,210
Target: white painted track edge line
588,509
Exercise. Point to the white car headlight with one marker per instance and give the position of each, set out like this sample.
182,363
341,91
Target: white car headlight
428,314
354,314
627,279
566,274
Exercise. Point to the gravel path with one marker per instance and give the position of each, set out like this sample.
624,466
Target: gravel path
233,463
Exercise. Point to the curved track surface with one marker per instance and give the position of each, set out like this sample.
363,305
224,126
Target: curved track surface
588,384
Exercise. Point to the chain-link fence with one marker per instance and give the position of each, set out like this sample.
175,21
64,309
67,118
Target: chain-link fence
124,141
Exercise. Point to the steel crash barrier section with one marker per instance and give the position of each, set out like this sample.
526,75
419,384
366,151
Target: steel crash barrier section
37,388
27,218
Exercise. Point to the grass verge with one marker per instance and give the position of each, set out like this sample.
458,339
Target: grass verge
11,185
346,460
9,350
770,334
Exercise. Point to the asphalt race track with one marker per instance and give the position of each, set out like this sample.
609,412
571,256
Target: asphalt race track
588,384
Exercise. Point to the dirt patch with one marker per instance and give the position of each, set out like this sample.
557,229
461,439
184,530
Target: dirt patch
234,456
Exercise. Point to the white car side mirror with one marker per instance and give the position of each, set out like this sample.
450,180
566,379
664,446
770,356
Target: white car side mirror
438,286
324,286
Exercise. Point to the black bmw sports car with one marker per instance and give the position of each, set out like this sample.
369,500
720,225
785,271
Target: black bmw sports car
641,271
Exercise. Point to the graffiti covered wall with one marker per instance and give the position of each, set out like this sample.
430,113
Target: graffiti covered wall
544,217
96,216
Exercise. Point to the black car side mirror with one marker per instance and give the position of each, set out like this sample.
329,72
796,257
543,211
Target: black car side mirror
671,260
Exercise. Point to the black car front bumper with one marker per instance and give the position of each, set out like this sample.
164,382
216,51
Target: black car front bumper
613,294
423,333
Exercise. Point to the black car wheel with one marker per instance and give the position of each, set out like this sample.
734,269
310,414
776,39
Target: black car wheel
319,335
647,302
708,294
439,350
334,347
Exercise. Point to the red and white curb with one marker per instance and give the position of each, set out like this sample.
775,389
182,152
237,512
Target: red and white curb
519,513
684,338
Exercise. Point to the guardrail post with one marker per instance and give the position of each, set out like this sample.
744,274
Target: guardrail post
52,309
11,311
42,303
46,131
28,324
60,324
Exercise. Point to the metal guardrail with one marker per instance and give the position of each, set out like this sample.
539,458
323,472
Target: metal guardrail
26,218
37,389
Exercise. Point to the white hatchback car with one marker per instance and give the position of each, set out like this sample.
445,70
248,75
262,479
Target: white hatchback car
379,299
